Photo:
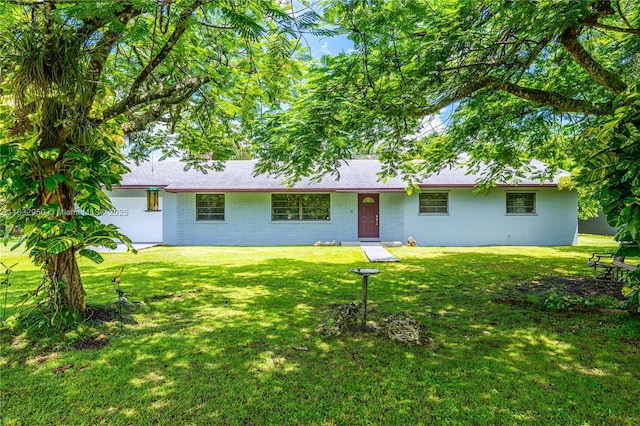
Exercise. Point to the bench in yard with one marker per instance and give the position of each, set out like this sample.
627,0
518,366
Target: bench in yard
612,269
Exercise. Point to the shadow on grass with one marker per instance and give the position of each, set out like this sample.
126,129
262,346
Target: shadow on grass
233,342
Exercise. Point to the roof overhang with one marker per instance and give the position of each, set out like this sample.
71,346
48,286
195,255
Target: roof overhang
500,185
299,190
115,187
167,188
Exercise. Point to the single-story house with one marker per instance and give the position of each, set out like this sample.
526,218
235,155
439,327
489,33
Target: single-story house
236,207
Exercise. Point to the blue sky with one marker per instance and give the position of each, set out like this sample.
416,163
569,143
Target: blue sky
318,45
321,46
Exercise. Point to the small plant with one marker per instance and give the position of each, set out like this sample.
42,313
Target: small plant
607,302
632,292
556,302
343,318
45,312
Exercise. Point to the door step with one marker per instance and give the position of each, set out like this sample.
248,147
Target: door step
378,254
371,243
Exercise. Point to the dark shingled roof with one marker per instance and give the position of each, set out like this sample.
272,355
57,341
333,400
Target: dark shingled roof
239,176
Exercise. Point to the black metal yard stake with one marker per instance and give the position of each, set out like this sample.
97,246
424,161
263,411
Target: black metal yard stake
5,282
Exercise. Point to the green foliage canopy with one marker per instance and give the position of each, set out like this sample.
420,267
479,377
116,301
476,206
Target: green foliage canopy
524,79
78,78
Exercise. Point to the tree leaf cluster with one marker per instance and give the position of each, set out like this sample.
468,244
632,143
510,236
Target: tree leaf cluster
518,81
81,81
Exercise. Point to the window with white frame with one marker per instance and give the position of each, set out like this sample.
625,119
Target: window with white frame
209,206
433,203
300,206
521,202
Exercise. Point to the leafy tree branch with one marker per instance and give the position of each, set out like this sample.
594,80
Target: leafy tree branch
140,122
558,101
103,48
569,39
635,31
188,85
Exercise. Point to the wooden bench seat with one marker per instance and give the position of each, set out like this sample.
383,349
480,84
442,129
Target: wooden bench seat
623,265
614,270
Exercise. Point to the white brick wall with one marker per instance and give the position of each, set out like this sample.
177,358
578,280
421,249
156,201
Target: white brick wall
472,220
248,222
392,216
475,220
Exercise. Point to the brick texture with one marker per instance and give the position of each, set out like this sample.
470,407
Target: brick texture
248,222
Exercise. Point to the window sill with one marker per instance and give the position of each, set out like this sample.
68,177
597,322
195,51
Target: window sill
301,221
521,214
434,214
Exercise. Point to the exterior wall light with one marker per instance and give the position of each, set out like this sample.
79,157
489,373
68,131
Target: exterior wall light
153,203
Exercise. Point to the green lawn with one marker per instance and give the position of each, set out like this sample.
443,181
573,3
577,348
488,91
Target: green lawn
189,359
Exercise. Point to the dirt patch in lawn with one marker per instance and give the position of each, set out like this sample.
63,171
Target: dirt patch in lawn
102,314
172,296
92,343
111,313
565,294
583,287
42,358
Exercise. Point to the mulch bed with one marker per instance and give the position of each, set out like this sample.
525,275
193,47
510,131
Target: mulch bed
100,314
111,313
584,287
91,343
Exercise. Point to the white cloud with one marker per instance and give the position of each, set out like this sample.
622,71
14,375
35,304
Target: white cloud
325,49
430,124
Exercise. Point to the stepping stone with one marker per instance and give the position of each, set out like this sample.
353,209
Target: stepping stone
378,254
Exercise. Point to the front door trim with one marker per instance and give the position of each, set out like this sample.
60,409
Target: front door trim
368,216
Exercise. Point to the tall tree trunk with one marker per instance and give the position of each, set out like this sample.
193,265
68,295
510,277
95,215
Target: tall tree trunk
61,268
63,271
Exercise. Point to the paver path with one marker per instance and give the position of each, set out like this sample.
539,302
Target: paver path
122,248
378,254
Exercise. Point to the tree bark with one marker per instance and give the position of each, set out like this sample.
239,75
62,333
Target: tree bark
606,78
61,268
553,99
66,282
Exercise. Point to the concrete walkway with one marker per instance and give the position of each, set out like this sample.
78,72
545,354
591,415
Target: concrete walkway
122,248
378,254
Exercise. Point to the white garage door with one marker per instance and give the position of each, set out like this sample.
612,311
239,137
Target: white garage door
134,221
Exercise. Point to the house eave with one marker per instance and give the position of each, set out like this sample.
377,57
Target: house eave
116,187
271,190
167,188
500,185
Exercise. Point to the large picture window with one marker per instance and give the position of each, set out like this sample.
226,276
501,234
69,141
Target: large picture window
434,202
521,203
300,206
209,206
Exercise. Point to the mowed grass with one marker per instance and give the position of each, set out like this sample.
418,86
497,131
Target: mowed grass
226,336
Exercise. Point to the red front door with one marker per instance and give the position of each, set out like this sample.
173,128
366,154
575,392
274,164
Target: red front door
368,216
